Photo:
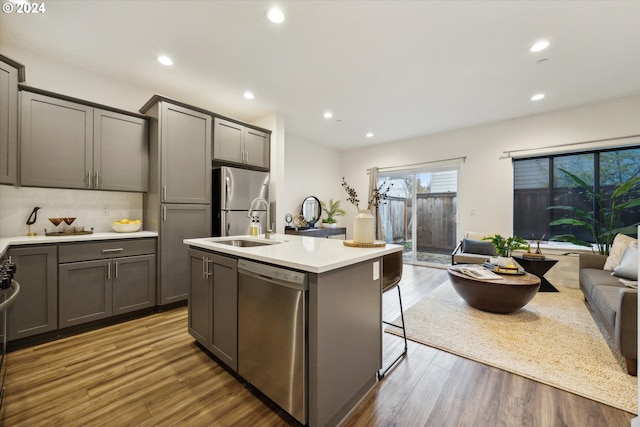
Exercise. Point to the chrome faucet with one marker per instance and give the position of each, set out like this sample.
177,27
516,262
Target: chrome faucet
252,207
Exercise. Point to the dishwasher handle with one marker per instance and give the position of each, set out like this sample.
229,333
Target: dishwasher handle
278,276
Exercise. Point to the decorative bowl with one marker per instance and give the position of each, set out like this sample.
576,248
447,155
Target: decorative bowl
126,228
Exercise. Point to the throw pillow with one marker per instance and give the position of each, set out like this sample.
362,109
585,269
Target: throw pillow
480,247
618,247
628,267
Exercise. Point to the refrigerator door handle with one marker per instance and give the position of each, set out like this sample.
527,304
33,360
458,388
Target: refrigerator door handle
227,191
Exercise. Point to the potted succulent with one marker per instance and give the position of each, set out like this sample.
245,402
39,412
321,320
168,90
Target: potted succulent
332,209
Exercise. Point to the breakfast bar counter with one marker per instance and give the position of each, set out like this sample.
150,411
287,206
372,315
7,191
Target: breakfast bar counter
330,325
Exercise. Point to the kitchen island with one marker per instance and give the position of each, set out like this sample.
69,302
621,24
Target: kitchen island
339,307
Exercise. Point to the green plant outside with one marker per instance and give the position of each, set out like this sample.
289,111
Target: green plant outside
506,245
603,224
332,210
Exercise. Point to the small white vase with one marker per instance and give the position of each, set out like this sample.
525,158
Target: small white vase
363,230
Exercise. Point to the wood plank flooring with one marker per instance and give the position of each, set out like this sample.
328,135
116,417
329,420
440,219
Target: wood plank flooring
149,372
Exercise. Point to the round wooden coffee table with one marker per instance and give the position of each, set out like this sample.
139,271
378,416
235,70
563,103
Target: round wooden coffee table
505,295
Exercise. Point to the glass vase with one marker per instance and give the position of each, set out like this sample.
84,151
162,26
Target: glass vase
363,229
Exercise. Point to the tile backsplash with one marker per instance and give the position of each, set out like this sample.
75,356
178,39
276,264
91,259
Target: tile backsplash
91,208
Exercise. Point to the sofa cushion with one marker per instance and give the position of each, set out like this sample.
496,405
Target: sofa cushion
628,267
480,247
606,300
591,277
620,243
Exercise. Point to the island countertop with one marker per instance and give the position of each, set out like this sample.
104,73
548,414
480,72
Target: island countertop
310,254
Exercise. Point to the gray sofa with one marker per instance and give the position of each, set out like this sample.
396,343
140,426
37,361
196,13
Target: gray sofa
615,305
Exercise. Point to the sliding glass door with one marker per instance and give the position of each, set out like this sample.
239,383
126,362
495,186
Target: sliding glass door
420,213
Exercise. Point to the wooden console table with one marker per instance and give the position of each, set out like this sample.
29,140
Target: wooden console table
316,232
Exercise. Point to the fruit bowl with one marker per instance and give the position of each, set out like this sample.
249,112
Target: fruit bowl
126,228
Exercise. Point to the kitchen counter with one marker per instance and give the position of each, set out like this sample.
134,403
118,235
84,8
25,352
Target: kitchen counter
334,330
301,253
5,242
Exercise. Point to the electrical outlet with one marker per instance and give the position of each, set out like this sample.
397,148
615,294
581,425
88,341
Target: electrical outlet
106,210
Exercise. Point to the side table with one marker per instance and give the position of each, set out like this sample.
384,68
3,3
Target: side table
538,267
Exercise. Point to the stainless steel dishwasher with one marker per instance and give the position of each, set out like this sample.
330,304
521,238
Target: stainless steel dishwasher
272,333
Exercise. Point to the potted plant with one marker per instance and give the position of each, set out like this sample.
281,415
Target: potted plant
332,210
603,221
506,245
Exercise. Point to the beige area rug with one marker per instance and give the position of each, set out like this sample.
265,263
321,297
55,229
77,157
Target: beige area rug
553,340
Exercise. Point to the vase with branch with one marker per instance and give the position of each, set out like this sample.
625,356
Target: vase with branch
363,224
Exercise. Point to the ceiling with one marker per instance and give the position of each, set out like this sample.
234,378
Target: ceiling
398,69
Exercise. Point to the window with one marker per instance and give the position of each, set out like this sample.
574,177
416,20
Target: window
539,183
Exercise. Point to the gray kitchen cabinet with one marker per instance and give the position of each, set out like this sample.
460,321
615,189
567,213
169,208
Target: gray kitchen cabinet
56,142
213,304
8,123
36,309
236,143
178,203
98,280
179,222
185,155
120,152
134,283
67,144
86,292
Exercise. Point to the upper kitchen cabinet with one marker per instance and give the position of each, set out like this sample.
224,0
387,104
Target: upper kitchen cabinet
10,73
180,152
121,151
68,144
236,143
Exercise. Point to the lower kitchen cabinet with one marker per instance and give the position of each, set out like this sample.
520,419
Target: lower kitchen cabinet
36,309
85,292
95,284
213,304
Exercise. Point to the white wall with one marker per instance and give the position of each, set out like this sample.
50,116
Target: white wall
310,170
486,177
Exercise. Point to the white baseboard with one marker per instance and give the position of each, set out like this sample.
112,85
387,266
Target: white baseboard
635,422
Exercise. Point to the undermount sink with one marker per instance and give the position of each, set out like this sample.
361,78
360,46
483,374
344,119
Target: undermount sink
242,243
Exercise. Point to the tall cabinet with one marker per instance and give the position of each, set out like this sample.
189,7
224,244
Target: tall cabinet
10,73
178,203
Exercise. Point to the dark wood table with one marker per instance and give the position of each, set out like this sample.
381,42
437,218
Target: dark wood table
538,267
316,232
505,295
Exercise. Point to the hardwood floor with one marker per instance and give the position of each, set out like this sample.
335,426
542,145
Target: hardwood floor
149,372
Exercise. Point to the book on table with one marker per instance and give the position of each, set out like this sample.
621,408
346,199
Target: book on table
476,272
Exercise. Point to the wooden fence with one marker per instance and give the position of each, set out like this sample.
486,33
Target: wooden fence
435,222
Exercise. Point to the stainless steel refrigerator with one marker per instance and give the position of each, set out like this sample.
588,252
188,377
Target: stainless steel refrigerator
234,190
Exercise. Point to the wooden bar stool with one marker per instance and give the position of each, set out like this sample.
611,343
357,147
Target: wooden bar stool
391,275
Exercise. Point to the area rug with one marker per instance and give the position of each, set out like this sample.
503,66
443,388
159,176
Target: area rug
553,340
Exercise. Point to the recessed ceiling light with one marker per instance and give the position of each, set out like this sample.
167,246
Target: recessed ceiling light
537,97
541,45
328,115
249,95
165,60
369,135
275,15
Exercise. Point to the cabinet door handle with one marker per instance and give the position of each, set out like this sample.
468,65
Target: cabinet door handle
106,251
164,193
164,213
204,267
109,270
115,264
89,178
247,154
97,180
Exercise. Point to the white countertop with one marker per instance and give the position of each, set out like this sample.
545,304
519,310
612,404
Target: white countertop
5,242
312,254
